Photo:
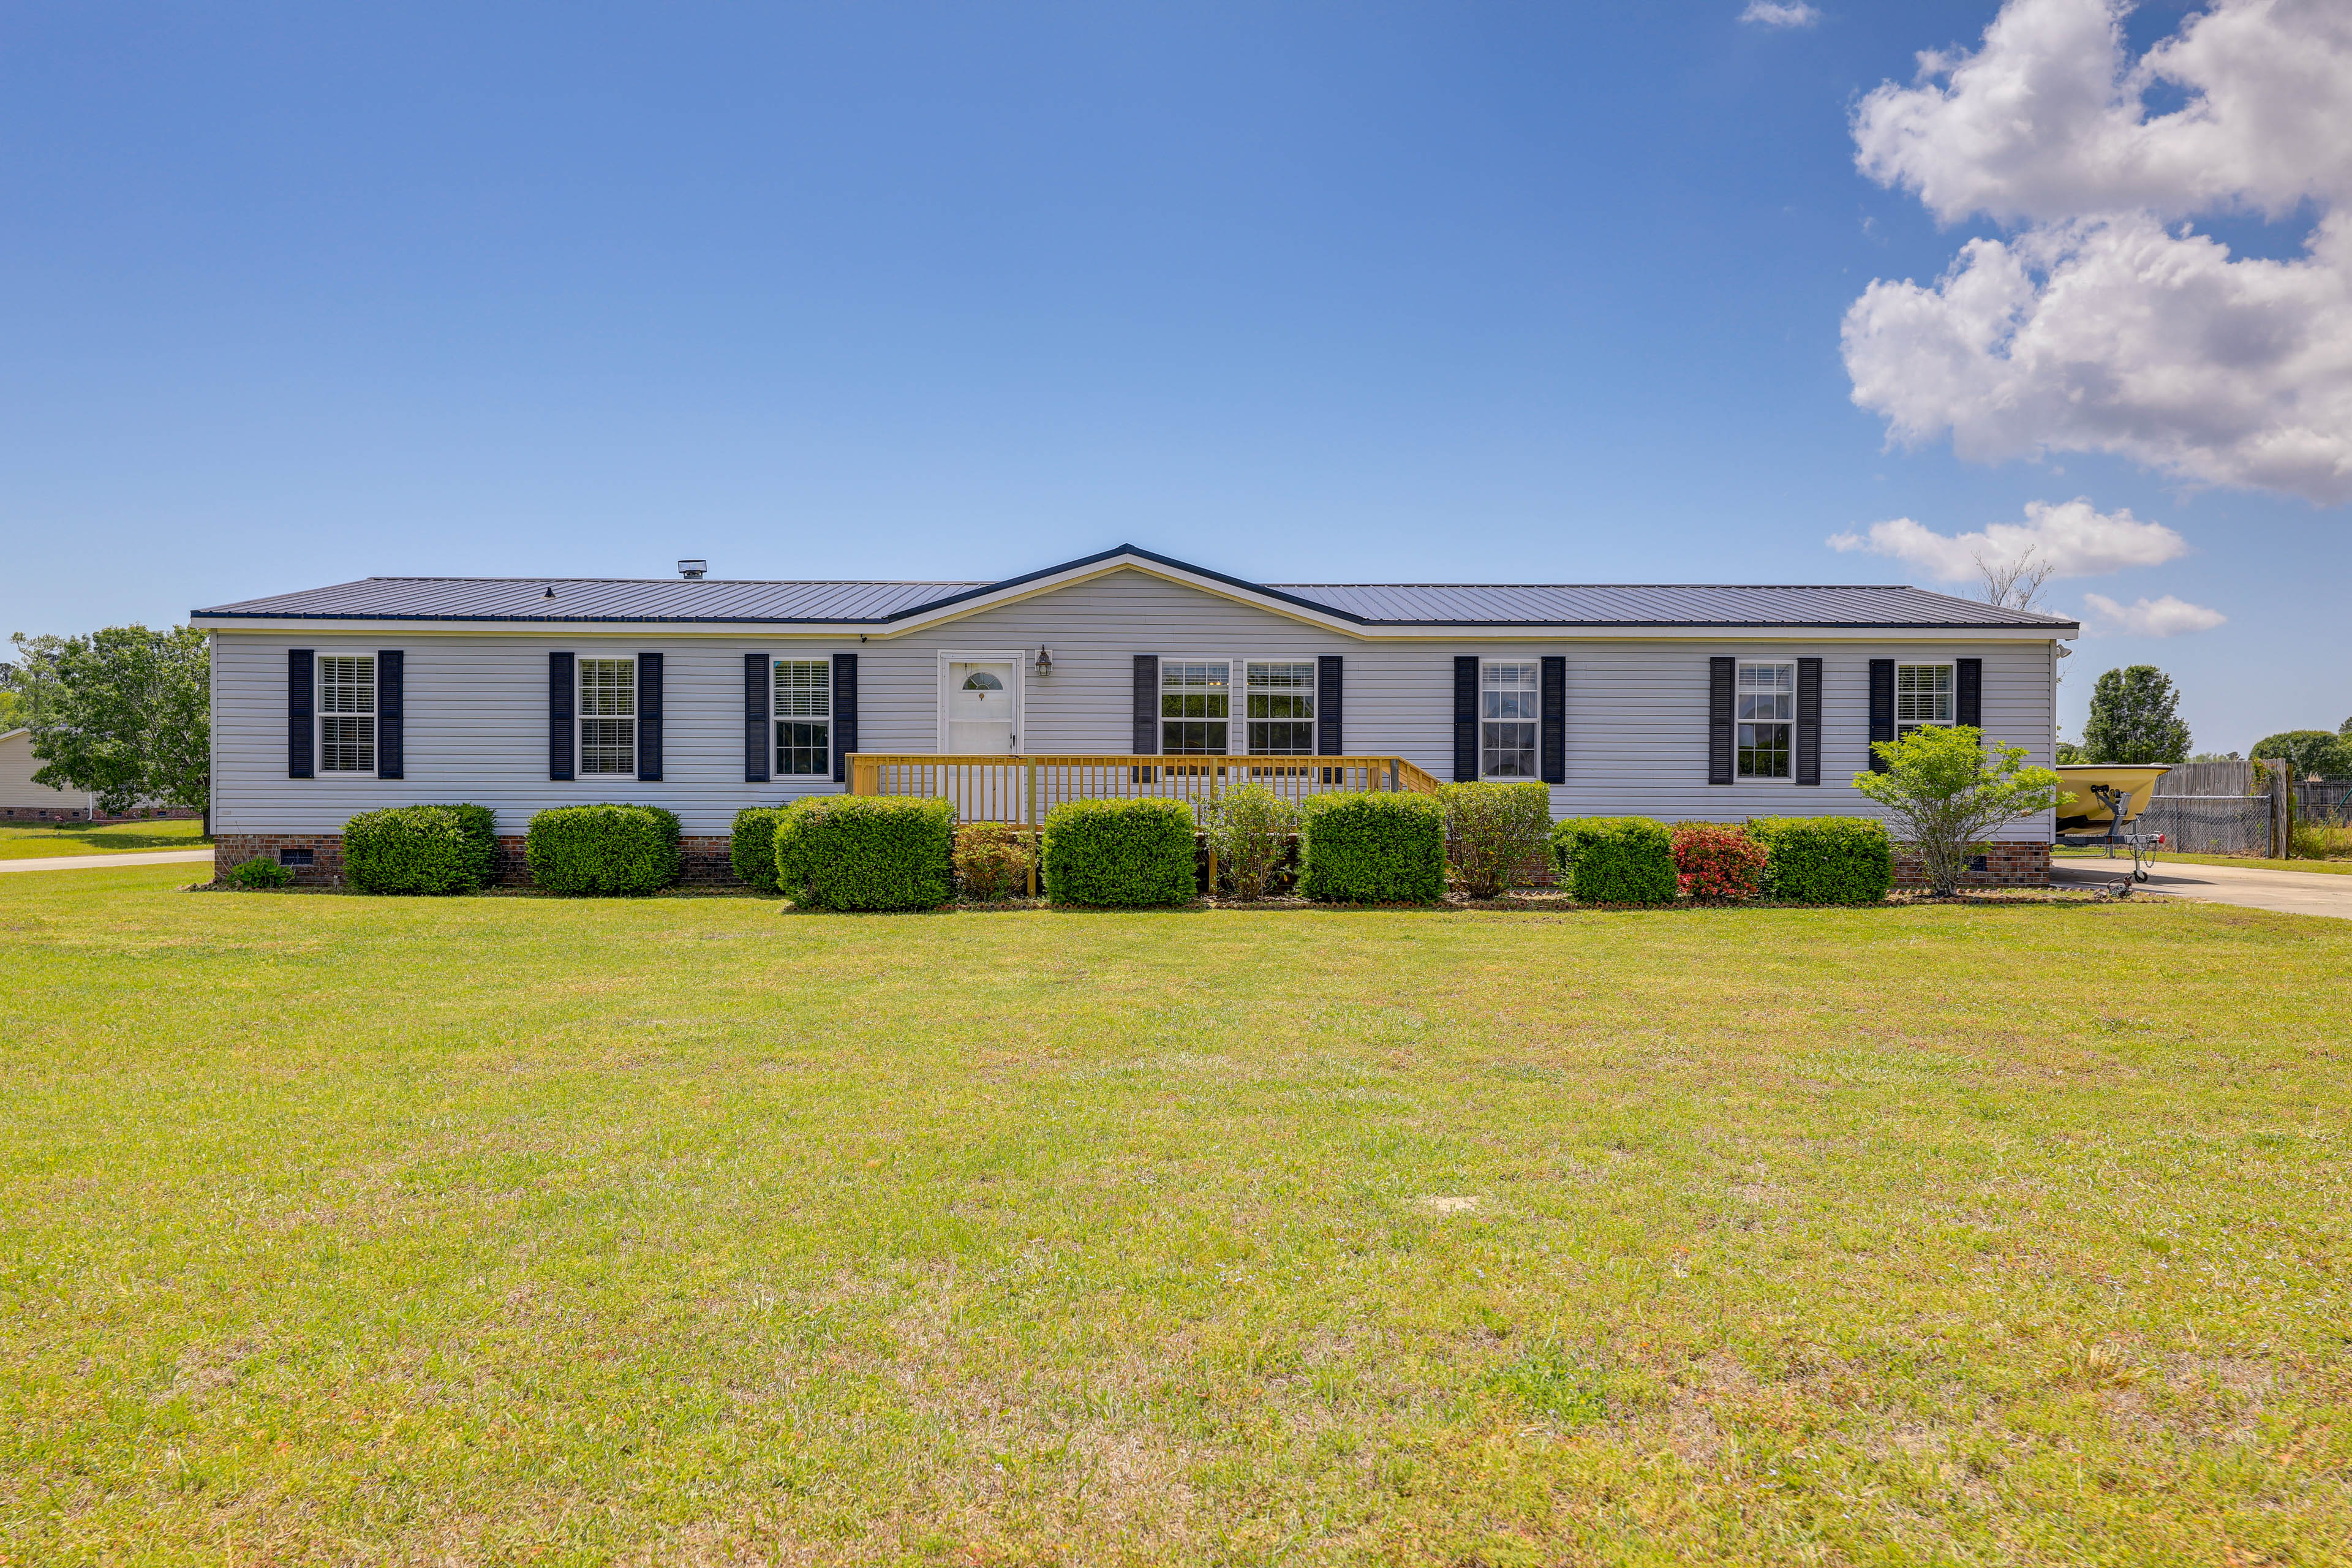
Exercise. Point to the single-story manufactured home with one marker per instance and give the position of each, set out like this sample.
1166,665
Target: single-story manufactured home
707,696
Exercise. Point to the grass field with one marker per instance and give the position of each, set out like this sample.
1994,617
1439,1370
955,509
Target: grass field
687,1231
25,841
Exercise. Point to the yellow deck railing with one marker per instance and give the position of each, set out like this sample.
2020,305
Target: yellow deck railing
1022,789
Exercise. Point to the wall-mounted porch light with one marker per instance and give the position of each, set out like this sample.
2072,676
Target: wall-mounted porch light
1045,661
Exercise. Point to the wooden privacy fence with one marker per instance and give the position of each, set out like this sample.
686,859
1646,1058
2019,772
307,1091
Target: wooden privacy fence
1022,790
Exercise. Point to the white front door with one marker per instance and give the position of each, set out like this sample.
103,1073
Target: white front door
981,701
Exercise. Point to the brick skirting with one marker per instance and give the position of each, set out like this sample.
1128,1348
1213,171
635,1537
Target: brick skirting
317,859
2006,866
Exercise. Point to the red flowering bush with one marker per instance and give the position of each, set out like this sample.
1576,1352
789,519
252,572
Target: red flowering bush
1715,861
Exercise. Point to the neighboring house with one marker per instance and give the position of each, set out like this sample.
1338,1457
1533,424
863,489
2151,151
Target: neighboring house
22,800
1712,703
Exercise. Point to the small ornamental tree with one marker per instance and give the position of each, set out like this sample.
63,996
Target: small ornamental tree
1715,861
1250,831
1946,789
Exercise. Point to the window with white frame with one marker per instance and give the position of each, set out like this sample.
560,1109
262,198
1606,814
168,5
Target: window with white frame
1923,695
1195,707
1511,698
1281,708
804,714
608,716
347,713
1767,717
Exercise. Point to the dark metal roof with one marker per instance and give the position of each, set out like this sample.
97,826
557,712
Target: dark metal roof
1367,603
595,599
1656,605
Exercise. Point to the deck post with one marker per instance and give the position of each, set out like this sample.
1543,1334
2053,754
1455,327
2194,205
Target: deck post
1036,829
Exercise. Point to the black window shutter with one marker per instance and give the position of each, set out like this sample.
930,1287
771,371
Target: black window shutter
756,750
1329,737
1553,756
560,731
1147,705
391,713
301,740
1465,718
1968,692
1720,675
649,716
844,713
1809,720
1881,709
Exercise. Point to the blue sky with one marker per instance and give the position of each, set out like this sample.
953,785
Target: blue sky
1450,292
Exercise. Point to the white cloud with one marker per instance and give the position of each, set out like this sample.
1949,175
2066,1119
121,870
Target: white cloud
2107,324
1774,13
2162,618
2074,539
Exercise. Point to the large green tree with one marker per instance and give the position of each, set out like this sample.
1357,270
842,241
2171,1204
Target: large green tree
124,713
2133,719
2308,754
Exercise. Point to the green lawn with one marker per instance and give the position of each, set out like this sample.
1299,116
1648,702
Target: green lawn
686,1231
24,840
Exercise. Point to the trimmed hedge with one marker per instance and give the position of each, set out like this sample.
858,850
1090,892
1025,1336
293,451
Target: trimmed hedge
422,849
751,846
865,852
1121,854
626,849
1376,848
1493,829
1825,859
1616,860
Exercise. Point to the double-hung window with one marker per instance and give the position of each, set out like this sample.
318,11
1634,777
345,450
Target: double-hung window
804,714
1923,695
608,716
1509,703
1766,716
1195,707
1282,709
347,713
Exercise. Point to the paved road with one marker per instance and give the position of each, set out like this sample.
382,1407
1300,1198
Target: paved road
2288,892
101,862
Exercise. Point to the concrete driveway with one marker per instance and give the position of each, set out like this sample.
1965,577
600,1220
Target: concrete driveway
2288,892
101,862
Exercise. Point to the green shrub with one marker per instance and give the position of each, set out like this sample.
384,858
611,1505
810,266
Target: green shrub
628,849
751,846
866,852
1715,861
1250,831
1121,854
1492,830
1380,848
422,849
992,860
1616,860
1825,859
259,873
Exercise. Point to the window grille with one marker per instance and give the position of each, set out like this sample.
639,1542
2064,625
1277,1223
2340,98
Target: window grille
1195,708
1923,695
803,712
1767,715
608,716
347,713
1282,709
1509,704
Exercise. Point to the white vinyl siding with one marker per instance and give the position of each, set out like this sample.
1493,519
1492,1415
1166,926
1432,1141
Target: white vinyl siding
347,713
804,717
1636,707
608,717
